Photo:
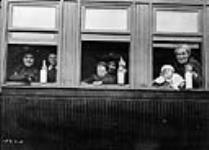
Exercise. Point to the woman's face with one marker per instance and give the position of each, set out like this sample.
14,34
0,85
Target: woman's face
182,56
28,60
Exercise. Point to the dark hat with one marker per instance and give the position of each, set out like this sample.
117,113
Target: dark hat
26,50
111,57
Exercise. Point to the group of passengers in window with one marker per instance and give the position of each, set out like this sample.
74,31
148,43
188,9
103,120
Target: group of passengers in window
185,73
108,72
104,74
27,72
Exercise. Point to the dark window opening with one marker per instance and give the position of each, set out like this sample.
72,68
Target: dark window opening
177,65
41,56
95,52
165,55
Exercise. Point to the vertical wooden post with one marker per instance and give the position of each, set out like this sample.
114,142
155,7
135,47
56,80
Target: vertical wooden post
3,43
1,31
142,50
70,58
206,45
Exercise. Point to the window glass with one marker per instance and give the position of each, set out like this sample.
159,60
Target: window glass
33,17
106,19
177,21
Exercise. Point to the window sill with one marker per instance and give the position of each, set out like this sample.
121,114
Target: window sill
125,92
93,87
52,85
33,84
105,86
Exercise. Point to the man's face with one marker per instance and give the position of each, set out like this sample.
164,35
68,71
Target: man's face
112,66
101,71
52,59
182,56
28,60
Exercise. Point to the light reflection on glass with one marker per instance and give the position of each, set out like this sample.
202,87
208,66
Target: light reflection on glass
33,17
176,21
106,19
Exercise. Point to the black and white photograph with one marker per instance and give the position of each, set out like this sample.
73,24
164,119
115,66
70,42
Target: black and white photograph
104,74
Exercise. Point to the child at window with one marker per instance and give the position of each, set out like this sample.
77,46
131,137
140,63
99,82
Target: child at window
168,78
101,77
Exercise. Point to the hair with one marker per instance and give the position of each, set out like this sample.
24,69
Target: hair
28,53
102,63
111,62
183,46
167,67
52,53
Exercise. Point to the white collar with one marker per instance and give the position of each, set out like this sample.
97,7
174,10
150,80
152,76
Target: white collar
50,67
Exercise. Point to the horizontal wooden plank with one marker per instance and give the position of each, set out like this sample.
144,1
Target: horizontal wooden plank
96,37
182,2
177,39
107,1
108,92
187,2
173,46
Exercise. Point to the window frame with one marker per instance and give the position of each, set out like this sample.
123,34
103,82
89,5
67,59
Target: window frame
106,36
178,37
55,31
33,41
56,41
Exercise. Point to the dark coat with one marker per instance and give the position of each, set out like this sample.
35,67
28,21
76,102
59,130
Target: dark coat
107,79
25,74
52,75
197,68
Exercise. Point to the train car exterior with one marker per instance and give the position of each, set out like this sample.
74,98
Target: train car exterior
82,74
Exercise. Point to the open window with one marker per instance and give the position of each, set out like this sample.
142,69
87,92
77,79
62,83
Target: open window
110,53
16,62
163,53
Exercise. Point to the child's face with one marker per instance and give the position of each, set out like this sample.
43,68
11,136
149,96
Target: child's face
167,73
101,71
